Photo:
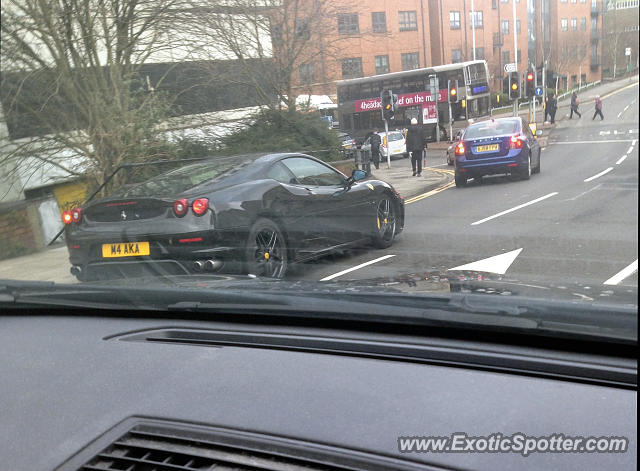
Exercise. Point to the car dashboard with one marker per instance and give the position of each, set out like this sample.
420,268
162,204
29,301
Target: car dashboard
108,392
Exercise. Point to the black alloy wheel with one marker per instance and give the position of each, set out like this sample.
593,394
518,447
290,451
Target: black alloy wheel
266,253
385,229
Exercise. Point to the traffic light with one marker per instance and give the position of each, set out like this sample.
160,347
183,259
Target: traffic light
514,85
529,83
453,91
388,100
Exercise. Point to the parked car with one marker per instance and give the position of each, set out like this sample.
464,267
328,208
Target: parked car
255,214
349,145
397,144
496,146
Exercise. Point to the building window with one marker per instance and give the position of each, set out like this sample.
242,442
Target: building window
379,22
519,56
504,1
594,24
302,29
505,26
456,55
410,61
348,23
454,19
563,1
352,67
479,53
276,34
408,20
594,53
564,24
382,65
583,24
307,73
574,24
517,26
505,57
574,1
475,19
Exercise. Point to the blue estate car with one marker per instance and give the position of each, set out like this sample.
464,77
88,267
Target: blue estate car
496,146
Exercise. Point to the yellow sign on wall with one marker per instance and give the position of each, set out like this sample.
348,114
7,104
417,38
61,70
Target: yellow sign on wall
70,195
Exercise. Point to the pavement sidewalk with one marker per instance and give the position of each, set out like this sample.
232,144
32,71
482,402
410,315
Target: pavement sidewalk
400,175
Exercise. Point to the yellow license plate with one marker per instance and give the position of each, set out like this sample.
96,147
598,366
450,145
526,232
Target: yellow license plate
125,249
491,148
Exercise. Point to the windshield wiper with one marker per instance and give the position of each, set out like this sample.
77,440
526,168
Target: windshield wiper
281,299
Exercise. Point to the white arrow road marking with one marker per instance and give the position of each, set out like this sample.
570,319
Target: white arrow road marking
515,208
357,267
598,175
497,264
622,274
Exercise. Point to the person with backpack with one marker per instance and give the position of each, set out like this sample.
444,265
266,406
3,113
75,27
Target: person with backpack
598,109
574,105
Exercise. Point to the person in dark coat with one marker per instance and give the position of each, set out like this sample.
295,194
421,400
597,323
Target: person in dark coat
375,148
415,145
553,107
574,105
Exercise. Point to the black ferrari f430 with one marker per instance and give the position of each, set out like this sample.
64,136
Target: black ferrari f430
255,214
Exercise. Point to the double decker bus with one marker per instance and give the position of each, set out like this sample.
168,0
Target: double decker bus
359,99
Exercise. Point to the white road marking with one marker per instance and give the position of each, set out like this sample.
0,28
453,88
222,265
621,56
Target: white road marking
622,274
629,150
497,264
598,175
621,159
615,132
357,267
603,141
605,133
620,114
515,208
584,192
633,143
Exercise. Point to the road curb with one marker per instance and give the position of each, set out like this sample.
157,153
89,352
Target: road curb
445,178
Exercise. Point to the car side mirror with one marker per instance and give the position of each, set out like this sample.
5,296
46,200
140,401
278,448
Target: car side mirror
358,175
539,133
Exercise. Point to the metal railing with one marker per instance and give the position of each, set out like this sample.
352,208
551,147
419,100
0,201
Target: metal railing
579,88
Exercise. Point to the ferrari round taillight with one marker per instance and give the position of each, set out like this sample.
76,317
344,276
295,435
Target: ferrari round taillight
200,206
76,214
67,218
180,207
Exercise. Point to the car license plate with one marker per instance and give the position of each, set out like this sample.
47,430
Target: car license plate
490,148
125,249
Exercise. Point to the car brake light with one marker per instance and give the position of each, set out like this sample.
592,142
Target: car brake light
200,206
459,148
515,142
180,207
67,218
76,214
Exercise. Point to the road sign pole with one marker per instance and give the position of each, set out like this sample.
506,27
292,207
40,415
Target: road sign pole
437,96
515,53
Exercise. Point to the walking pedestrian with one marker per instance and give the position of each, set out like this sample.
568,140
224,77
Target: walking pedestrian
574,105
415,145
553,107
598,109
375,148
546,109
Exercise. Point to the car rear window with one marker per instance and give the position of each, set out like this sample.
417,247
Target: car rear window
395,136
491,128
187,177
